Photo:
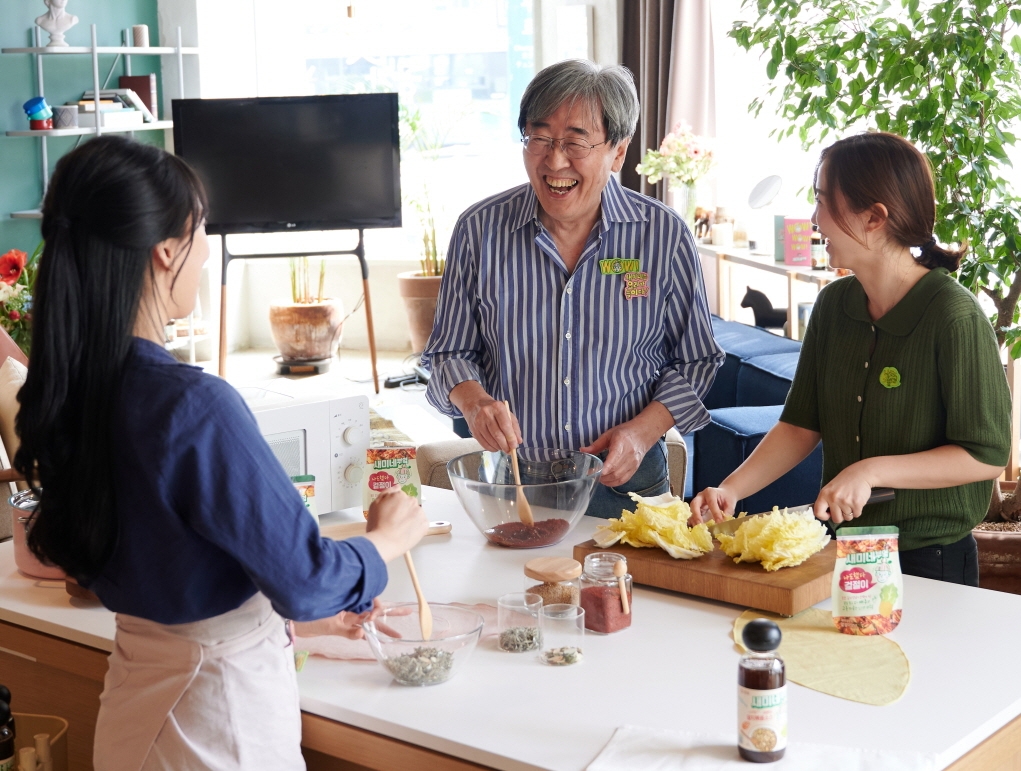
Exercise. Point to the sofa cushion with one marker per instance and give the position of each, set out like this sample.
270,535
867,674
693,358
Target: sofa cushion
765,380
729,439
740,342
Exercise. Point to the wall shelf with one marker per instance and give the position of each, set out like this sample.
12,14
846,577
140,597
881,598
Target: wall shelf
129,50
93,51
76,132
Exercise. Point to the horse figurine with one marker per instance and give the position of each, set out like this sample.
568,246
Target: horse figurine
766,316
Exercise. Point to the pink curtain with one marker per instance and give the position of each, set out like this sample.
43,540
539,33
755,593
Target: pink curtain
668,46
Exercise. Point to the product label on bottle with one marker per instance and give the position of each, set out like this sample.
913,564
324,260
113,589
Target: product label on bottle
762,719
7,765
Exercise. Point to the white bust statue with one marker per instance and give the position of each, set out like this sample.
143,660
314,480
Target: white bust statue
56,21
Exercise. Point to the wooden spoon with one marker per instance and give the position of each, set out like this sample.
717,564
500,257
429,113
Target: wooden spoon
523,506
620,570
425,614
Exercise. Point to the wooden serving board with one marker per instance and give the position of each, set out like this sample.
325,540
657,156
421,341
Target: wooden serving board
717,577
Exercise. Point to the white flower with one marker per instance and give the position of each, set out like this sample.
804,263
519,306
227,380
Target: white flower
8,292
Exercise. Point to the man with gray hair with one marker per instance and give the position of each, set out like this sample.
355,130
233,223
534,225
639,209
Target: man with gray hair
577,302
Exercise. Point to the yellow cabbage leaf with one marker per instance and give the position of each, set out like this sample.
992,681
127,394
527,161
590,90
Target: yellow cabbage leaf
661,521
777,540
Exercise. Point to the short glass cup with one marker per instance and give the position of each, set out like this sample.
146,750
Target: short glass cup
518,621
563,632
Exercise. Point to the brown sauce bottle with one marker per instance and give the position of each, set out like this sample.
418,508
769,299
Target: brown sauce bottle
762,694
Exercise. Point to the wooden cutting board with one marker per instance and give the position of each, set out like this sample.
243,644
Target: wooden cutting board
717,577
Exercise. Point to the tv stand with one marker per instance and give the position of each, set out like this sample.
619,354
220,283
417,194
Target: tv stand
358,251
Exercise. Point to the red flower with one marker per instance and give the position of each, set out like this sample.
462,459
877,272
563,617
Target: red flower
15,315
11,265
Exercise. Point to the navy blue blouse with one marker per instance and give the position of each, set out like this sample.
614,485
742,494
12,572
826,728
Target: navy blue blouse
206,514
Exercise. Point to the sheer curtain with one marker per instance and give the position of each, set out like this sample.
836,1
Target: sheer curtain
668,45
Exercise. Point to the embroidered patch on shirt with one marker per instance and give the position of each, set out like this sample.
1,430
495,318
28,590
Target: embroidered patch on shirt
636,284
889,377
616,266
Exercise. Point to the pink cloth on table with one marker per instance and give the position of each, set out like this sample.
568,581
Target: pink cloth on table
333,647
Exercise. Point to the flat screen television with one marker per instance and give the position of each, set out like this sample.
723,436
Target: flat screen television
274,164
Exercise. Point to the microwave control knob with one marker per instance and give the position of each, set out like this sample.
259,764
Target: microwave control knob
353,474
353,435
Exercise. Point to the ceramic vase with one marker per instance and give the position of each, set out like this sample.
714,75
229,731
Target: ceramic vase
306,331
419,294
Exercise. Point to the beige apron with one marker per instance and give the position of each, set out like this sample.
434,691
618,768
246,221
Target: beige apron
215,694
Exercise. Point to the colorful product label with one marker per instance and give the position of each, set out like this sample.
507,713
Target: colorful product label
306,487
797,242
388,467
762,719
867,586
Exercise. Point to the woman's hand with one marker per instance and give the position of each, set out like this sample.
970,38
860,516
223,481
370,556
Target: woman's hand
715,503
845,496
490,421
347,624
396,523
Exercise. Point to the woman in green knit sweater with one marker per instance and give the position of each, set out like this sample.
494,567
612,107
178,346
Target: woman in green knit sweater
899,375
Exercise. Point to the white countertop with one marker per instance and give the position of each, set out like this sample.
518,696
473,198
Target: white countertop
676,667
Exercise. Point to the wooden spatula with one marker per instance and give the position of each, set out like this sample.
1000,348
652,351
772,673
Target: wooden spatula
523,506
425,614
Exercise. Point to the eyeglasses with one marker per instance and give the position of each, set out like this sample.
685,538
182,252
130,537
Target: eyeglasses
538,145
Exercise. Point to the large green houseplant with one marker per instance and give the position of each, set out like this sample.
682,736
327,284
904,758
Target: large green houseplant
946,75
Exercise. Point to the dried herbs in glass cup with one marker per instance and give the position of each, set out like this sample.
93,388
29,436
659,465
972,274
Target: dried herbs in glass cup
563,633
518,622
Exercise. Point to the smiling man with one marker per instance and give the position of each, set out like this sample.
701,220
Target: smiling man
577,302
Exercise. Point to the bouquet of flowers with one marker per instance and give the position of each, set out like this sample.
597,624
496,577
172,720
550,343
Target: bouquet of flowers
683,159
17,281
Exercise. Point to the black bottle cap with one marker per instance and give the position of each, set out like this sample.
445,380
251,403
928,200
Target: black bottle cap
5,694
5,713
761,635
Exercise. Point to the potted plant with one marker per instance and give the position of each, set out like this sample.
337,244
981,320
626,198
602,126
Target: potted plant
944,74
307,328
682,159
420,288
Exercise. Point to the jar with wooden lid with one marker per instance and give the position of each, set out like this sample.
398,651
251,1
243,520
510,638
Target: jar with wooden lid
606,593
555,579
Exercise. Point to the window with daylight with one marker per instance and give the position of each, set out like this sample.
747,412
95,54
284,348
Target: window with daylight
459,66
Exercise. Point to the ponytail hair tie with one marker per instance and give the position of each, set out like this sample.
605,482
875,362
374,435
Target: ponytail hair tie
929,244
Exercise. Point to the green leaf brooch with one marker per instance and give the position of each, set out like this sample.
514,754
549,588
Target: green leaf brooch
889,377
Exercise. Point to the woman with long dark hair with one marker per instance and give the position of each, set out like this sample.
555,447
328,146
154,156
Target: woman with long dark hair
899,374
157,489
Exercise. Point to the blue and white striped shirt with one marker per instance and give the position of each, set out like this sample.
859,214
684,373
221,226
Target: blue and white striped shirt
570,353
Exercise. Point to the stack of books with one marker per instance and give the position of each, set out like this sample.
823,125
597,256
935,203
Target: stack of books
118,108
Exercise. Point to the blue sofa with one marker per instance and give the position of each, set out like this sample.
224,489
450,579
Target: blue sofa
744,403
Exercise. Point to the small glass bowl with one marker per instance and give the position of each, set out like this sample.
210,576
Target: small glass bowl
395,637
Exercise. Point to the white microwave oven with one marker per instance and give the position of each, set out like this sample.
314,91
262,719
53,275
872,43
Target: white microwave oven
318,435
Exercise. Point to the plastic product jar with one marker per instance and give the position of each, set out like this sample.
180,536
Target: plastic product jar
600,594
555,579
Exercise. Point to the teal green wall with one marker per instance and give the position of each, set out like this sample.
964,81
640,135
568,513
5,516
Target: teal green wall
65,78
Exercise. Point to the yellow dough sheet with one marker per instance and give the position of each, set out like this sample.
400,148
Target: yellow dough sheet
867,669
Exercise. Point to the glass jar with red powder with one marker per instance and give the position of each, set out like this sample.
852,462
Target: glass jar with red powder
601,594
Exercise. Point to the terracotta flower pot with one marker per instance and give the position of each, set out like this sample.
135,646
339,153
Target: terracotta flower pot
999,556
306,331
419,293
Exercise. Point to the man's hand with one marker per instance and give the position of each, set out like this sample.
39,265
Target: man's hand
490,421
627,443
